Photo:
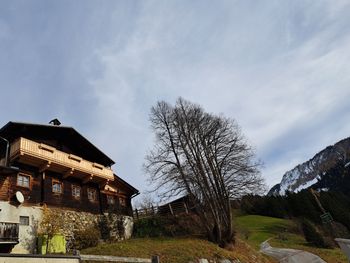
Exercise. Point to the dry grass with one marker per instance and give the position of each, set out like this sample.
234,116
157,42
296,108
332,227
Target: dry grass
177,250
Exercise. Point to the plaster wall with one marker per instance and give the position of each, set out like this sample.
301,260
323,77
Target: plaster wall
27,233
73,220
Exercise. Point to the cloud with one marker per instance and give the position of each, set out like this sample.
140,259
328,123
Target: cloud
279,68
275,76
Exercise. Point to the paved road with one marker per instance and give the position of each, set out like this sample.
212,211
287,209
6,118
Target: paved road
286,255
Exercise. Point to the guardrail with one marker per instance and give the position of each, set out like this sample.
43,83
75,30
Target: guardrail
344,245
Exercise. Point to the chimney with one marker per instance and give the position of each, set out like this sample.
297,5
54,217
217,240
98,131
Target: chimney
55,122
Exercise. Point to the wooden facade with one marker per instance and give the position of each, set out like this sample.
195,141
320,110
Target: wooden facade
59,171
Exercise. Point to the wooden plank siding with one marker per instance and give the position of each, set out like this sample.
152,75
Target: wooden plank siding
45,153
40,191
4,188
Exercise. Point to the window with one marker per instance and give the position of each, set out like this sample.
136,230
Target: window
23,180
56,187
92,196
122,201
110,199
76,190
24,220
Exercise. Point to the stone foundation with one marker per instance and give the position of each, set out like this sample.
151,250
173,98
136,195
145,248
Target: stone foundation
119,227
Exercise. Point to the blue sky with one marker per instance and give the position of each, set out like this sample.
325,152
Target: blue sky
280,68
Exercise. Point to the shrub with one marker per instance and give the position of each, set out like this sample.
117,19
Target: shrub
105,228
86,238
149,227
312,235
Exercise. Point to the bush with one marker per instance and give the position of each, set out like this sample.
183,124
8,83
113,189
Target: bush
312,235
149,227
86,238
105,228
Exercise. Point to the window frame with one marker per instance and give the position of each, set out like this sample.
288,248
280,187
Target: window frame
74,188
27,220
109,198
56,181
24,175
122,201
94,194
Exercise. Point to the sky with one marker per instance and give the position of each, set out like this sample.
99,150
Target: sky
279,68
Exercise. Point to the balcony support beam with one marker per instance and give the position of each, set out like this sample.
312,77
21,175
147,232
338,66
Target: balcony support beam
104,184
88,178
70,172
44,167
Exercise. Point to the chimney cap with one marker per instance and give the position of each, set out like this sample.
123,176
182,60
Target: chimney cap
55,122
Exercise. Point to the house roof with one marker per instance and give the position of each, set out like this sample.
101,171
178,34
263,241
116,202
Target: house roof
133,190
64,134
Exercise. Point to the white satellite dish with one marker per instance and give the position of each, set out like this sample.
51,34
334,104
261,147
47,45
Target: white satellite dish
19,197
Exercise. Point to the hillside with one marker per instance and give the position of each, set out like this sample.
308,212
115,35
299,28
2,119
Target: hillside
284,233
176,250
310,172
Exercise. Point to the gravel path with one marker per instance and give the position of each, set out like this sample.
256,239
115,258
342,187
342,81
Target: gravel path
286,255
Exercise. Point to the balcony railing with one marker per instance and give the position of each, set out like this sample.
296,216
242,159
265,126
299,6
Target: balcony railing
9,232
47,157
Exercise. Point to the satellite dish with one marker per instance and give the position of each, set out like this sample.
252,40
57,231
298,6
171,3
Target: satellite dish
19,197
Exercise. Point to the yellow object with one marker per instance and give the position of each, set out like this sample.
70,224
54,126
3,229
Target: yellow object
57,244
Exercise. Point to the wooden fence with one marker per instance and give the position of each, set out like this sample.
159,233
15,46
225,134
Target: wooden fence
154,259
171,209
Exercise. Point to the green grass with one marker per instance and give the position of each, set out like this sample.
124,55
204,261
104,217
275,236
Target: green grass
251,228
260,228
175,250
284,233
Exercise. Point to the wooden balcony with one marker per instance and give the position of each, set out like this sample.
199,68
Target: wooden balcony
46,157
8,232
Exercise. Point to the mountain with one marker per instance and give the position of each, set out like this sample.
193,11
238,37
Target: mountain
312,171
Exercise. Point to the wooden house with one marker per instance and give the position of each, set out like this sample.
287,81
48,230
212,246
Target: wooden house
55,166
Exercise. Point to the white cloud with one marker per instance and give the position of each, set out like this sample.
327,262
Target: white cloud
294,80
279,68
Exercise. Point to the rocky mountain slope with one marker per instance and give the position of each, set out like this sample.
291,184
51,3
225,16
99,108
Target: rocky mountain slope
310,172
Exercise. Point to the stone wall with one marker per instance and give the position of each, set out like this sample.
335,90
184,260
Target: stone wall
119,227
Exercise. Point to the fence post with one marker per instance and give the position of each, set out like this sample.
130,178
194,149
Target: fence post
171,210
186,208
137,214
155,259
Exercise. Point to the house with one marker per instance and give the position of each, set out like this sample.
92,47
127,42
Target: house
54,166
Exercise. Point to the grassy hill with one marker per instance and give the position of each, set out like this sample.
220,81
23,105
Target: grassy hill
177,250
252,231
255,229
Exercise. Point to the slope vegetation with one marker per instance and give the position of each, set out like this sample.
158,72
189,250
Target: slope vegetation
283,233
176,250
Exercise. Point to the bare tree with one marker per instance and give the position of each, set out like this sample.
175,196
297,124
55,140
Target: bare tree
205,157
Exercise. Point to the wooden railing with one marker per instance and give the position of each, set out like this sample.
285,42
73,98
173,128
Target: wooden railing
174,209
9,232
32,151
